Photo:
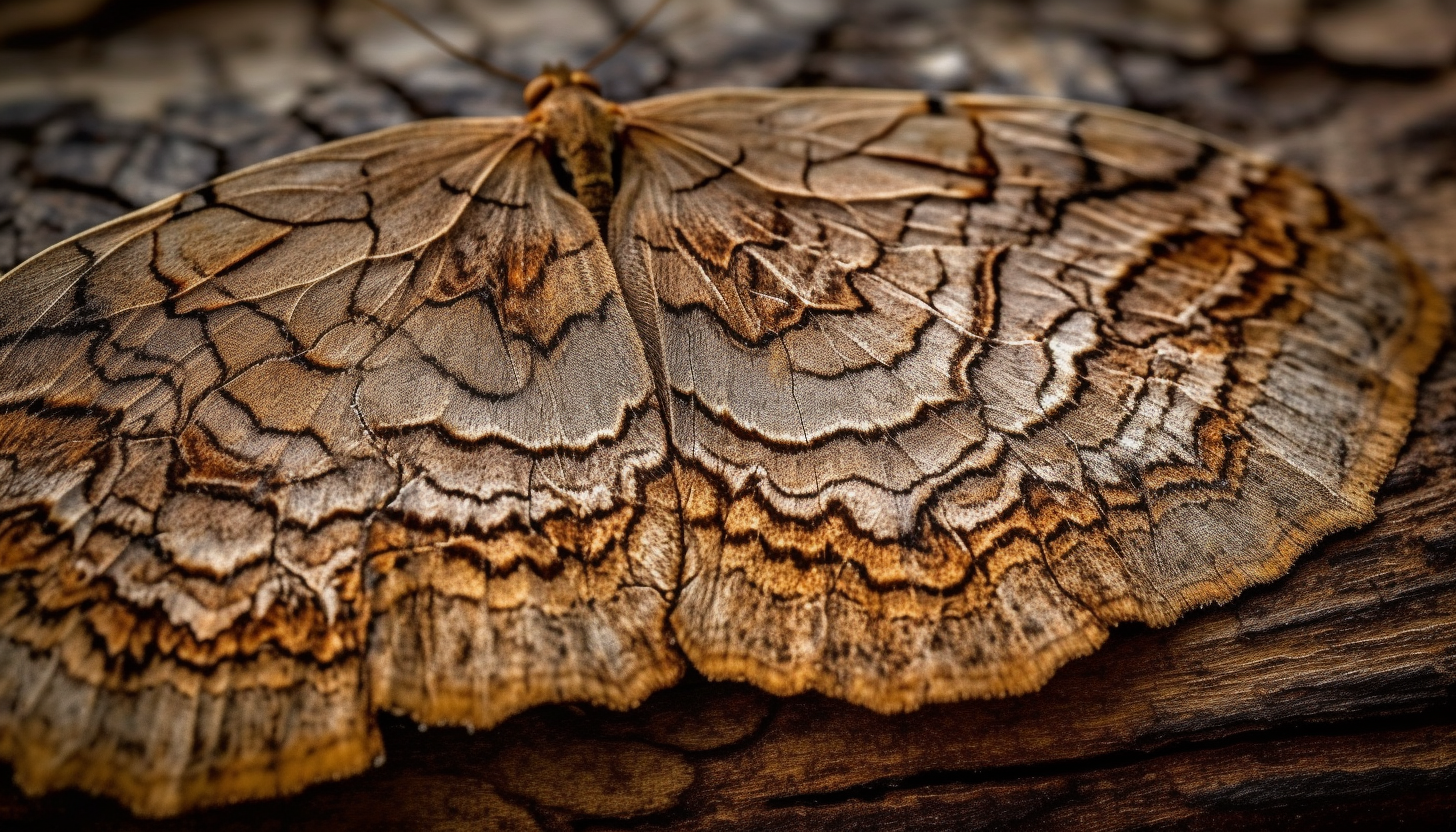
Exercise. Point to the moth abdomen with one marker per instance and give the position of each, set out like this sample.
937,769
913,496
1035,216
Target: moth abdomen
579,129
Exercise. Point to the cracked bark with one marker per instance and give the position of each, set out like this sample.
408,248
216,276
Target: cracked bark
1322,699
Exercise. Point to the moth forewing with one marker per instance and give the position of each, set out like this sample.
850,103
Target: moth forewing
901,398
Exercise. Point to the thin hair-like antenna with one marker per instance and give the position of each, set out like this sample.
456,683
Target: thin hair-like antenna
623,38
448,47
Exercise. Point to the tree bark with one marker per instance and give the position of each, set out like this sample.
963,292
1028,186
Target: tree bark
1323,699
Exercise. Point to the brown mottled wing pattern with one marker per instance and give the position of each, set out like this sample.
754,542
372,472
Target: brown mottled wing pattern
384,392
957,383
895,397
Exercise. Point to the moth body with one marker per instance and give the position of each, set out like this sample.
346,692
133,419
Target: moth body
578,127
898,399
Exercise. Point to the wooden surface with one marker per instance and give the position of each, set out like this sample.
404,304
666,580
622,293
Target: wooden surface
1322,700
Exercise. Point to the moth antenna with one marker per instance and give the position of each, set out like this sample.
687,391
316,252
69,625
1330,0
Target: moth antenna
622,39
447,47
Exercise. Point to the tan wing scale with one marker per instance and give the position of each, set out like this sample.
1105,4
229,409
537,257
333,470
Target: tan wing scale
957,383
364,427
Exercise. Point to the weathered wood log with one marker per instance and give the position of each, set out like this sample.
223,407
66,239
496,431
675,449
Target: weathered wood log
1323,699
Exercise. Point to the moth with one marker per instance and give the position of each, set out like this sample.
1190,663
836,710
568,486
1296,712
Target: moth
895,396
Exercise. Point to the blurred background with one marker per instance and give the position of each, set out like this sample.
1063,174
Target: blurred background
107,105
110,104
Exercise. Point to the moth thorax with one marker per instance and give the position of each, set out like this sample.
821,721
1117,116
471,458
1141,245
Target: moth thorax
579,127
